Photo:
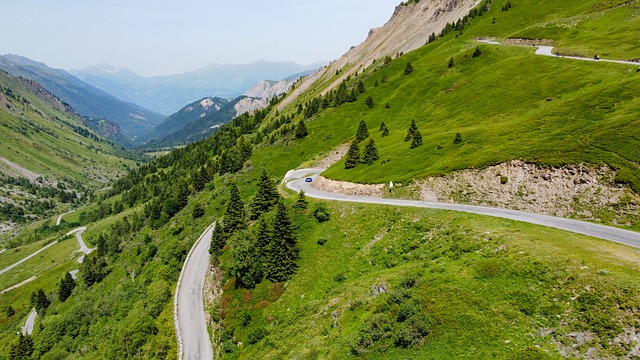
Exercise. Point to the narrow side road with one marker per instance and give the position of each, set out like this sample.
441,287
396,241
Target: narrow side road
61,215
548,51
27,329
83,247
630,238
188,314
17,285
28,257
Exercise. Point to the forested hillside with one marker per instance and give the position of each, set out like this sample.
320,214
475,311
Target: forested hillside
298,278
49,159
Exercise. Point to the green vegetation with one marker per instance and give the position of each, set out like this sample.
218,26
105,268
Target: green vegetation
308,279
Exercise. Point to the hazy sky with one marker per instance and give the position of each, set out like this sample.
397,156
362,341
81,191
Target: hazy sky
154,37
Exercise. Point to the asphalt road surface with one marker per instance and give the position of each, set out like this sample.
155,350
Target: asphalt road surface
27,329
189,316
83,247
27,258
60,217
622,236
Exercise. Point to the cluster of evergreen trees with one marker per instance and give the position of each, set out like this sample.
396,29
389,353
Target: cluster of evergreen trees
267,250
370,154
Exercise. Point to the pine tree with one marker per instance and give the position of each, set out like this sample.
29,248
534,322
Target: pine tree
370,153
387,106
301,130
477,52
362,132
408,69
234,217
266,197
382,126
369,102
40,301
361,87
301,203
218,242
264,236
246,264
22,349
67,284
385,132
451,63
458,138
283,251
417,139
353,156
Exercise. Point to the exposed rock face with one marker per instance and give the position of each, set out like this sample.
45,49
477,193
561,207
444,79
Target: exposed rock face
259,96
408,29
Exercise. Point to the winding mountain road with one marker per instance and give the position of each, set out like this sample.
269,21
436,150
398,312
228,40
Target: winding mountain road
188,314
548,51
61,215
83,247
622,236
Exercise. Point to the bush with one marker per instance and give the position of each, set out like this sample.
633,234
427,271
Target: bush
504,180
256,335
322,241
197,211
321,212
340,277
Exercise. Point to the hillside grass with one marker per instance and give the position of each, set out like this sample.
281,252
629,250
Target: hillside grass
507,103
487,287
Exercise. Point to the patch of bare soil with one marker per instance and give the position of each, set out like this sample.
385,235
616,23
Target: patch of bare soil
343,187
332,157
16,170
525,42
575,190
212,293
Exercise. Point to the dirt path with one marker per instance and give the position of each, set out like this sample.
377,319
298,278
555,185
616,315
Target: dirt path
28,257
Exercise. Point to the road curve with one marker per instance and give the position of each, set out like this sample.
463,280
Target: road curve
188,314
61,215
548,51
630,238
83,247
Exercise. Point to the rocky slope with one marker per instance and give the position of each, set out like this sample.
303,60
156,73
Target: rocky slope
408,29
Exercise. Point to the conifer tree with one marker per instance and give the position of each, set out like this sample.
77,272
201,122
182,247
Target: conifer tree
361,87
387,106
477,52
385,132
362,132
218,242
22,349
457,139
283,250
370,153
264,236
40,301
408,69
67,284
369,102
451,63
417,139
382,126
234,217
301,130
353,156
266,197
301,203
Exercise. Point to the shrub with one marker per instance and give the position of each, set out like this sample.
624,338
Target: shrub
504,180
322,241
321,212
256,335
